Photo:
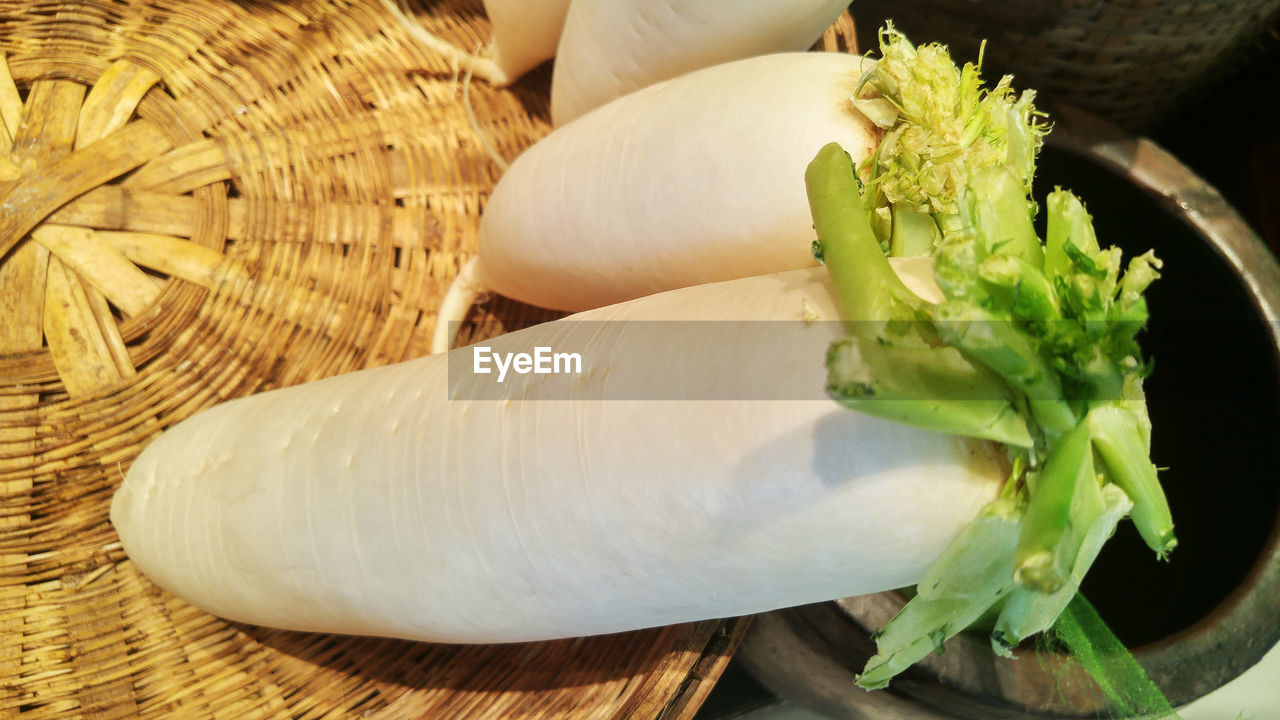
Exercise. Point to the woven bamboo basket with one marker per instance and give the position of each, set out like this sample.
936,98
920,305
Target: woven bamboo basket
204,200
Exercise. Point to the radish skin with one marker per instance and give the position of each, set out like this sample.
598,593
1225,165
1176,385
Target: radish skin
610,48
688,181
374,504
525,33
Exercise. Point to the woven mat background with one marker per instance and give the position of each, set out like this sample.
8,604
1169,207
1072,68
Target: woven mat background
207,199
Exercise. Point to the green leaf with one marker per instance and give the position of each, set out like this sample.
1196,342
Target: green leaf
1124,682
974,573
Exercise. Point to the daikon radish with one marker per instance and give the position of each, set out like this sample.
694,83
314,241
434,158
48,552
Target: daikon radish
682,183
690,180
607,48
373,503
613,47
524,35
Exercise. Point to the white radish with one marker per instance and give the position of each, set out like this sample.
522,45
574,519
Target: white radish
689,181
607,48
613,47
374,504
525,33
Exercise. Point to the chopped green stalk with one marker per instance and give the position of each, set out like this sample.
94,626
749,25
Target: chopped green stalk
1097,376
1065,500
973,574
1034,344
1021,286
1134,399
956,264
1026,612
993,201
1023,138
933,388
867,289
1129,313
941,125
999,345
1118,439
1068,224
1142,271
914,233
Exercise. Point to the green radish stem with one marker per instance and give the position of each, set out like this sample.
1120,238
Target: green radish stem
1119,444
997,344
869,292
1064,502
1027,611
929,387
932,387
1021,285
913,233
1028,337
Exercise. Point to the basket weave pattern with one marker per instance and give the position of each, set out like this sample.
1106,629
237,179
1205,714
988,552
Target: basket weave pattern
203,200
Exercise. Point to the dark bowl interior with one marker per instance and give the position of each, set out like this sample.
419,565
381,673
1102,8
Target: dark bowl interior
1214,398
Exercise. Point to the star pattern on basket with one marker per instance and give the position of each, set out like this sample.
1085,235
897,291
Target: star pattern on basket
71,157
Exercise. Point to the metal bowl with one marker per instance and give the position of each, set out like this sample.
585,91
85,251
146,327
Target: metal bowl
1195,622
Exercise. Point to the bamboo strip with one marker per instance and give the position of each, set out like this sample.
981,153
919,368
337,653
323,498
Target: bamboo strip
183,169
111,207
12,613
112,100
100,264
22,277
79,350
110,332
48,126
172,256
9,170
100,640
10,105
47,188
